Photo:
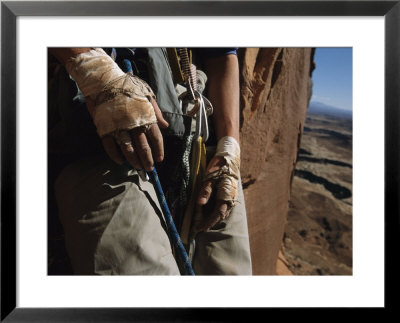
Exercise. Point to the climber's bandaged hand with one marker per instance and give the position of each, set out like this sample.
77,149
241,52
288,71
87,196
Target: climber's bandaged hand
222,175
123,104
122,101
122,107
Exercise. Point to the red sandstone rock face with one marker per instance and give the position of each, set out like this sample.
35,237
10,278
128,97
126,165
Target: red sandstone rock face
275,92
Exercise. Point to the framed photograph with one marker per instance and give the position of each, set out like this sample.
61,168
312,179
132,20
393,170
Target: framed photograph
29,28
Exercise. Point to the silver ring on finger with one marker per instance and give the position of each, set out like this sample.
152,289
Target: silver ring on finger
146,127
123,138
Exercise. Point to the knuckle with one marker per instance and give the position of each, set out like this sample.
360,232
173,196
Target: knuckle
207,191
220,214
127,147
145,150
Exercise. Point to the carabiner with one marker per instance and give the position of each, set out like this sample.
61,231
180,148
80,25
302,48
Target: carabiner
202,118
202,108
188,97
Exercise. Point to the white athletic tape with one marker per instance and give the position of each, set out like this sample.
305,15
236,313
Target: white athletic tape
122,101
92,70
229,148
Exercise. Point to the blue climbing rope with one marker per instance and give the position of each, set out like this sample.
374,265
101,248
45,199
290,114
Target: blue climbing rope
183,260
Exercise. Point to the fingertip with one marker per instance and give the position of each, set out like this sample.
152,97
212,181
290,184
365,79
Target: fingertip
119,161
201,201
204,226
200,228
129,149
162,124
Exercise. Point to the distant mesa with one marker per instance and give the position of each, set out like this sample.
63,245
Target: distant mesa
323,161
338,191
322,108
345,138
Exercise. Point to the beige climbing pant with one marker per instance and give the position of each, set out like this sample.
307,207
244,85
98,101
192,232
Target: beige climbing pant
114,226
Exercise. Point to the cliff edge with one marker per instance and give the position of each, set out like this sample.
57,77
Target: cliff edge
275,92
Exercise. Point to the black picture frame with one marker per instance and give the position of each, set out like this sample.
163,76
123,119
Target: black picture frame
10,10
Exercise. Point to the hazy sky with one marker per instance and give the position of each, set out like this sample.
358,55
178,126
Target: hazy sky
333,77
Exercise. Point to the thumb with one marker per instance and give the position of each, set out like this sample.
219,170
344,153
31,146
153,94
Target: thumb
161,121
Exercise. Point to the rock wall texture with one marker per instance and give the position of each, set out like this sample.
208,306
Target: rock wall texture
275,91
